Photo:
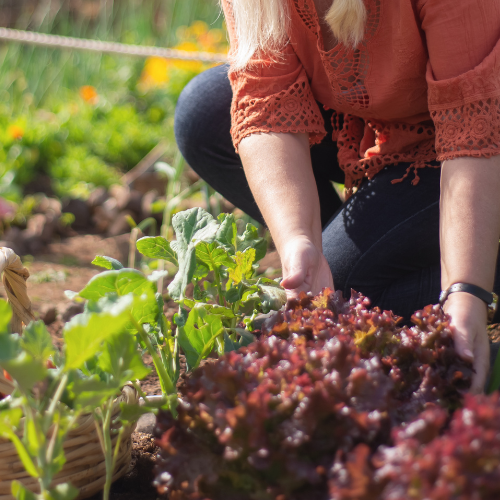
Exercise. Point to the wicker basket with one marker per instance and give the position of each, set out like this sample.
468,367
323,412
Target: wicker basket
84,466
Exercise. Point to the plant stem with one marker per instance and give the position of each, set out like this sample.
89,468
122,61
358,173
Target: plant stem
173,188
220,298
55,399
132,242
164,378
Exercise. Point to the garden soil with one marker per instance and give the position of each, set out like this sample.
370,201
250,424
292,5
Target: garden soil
66,266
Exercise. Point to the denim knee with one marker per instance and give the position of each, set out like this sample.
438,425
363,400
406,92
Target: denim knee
202,115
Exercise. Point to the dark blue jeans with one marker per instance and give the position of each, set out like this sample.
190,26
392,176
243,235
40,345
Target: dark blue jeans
382,242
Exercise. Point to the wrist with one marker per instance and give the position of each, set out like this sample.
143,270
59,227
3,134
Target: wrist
465,307
291,240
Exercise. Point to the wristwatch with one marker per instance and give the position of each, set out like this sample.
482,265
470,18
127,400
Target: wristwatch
491,299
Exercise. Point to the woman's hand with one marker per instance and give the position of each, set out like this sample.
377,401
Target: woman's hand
468,316
469,231
304,267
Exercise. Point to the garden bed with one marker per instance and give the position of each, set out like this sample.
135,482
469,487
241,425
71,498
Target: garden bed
66,266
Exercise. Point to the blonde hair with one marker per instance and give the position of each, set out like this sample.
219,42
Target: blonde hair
261,26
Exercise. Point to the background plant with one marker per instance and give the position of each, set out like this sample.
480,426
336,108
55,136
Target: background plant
52,389
82,119
220,264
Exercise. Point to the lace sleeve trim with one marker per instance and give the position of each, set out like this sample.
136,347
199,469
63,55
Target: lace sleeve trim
469,130
290,110
466,110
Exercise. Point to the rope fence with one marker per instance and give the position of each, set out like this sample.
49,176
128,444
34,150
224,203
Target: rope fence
66,42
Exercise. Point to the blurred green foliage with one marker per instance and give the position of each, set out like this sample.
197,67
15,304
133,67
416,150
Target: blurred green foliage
84,118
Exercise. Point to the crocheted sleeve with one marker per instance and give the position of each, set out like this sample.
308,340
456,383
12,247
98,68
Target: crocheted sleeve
463,75
271,96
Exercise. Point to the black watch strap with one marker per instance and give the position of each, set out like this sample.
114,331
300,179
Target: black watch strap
491,299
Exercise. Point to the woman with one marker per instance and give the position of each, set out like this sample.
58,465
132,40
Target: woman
399,100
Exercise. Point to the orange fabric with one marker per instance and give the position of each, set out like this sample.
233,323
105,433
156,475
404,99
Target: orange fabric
423,85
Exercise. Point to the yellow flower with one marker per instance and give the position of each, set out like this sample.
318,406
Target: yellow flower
15,132
155,72
89,94
198,28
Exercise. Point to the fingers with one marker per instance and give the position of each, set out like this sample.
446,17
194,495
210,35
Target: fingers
294,280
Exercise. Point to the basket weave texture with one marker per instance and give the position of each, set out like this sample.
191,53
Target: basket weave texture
84,467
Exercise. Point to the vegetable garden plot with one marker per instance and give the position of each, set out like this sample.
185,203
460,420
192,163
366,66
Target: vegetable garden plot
330,400
334,402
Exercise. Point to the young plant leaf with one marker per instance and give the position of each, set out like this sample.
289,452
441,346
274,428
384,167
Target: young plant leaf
121,360
9,420
107,262
213,255
9,346
227,232
246,338
131,413
243,268
198,334
144,308
20,492
191,227
250,239
119,282
85,332
218,310
36,341
157,248
88,393
272,297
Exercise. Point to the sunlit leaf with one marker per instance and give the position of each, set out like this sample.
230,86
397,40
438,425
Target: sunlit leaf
197,335
121,359
20,492
107,262
85,332
25,370
36,340
213,255
120,282
243,268
191,227
250,239
157,248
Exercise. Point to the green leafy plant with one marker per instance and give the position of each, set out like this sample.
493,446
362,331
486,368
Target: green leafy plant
221,266
52,389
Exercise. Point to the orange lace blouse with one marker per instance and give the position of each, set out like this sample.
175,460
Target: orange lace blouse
423,85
